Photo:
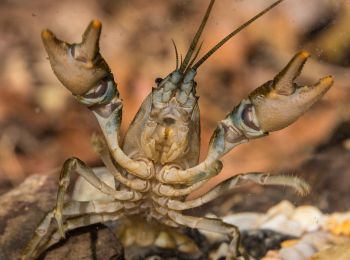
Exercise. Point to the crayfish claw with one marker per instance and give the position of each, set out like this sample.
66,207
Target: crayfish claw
280,102
89,47
79,67
53,46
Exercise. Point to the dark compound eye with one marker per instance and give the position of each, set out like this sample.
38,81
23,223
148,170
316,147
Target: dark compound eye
158,80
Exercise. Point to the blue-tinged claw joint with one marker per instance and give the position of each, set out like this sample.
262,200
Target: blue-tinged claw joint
79,67
279,102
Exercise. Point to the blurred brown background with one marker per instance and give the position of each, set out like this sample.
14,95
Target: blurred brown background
41,124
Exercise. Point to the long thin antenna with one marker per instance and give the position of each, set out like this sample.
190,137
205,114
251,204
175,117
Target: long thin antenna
229,36
196,38
194,57
176,55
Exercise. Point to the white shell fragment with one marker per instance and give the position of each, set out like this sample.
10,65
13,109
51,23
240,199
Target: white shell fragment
283,217
315,232
244,221
281,223
309,217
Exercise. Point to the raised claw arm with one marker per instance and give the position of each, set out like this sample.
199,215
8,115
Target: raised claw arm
83,71
271,107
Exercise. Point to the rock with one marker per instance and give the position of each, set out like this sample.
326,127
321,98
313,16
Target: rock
338,252
285,207
307,247
288,219
301,251
23,208
310,218
245,220
88,243
272,255
258,242
281,223
220,253
338,223
319,240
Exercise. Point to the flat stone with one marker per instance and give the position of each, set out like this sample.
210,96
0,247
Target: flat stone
21,211
338,252
25,206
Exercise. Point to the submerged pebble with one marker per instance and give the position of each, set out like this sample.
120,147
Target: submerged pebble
312,234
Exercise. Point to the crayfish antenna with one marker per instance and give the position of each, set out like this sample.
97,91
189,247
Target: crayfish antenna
196,38
176,55
230,35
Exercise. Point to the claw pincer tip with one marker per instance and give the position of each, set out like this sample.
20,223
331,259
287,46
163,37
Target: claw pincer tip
328,80
96,23
304,54
47,34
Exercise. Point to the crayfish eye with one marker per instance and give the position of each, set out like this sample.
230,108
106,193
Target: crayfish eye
158,80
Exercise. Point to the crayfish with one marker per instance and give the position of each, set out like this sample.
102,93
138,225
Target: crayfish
147,176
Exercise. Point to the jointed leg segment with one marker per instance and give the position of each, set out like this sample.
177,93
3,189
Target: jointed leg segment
203,171
169,191
74,208
101,148
77,222
260,178
43,238
79,167
212,225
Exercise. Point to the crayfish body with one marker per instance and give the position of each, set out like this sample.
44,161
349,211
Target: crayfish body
157,165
